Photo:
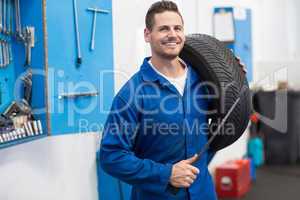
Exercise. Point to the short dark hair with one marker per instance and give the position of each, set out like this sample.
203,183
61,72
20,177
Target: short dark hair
160,7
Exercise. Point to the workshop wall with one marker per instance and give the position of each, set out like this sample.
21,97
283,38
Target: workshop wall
52,168
274,35
63,167
270,22
79,95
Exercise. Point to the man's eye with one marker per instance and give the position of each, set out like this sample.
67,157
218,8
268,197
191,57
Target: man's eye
178,28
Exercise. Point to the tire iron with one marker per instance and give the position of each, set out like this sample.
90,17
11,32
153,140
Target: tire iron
79,57
95,11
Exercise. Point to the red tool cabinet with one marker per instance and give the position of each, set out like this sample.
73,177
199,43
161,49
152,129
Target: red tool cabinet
233,179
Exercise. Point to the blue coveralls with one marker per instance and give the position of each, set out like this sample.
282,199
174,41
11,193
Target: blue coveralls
150,127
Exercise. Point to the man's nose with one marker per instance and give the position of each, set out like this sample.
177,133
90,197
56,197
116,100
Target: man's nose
172,33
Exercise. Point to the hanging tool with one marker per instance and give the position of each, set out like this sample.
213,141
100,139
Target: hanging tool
18,18
10,52
4,57
1,8
79,58
6,53
27,81
21,107
4,16
1,55
23,133
9,18
5,63
95,11
40,127
28,34
35,127
19,134
11,21
76,95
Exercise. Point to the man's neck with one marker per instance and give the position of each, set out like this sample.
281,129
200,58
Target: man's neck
172,68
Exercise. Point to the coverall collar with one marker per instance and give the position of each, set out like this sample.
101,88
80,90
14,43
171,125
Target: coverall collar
149,75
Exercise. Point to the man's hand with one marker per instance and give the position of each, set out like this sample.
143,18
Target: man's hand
183,173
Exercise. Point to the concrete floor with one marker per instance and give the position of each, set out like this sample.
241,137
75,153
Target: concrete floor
275,183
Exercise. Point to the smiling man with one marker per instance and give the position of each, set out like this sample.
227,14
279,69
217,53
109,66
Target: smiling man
155,126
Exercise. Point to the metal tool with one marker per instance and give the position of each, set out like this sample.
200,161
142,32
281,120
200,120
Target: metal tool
28,35
26,129
1,139
6,53
40,127
7,17
95,11
14,135
79,57
9,21
1,8
76,95
18,133
175,190
18,18
4,16
17,136
11,136
21,107
1,55
10,52
8,137
27,81
30,128
22,130
4,137
35,127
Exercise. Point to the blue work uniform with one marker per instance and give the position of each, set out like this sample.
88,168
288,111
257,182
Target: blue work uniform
150,127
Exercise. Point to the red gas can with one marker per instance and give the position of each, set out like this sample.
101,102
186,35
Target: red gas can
233,179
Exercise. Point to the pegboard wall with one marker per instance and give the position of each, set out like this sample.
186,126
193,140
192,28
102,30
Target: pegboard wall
67,97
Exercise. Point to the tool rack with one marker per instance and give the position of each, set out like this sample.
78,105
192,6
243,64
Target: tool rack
72,72
17,101
67,96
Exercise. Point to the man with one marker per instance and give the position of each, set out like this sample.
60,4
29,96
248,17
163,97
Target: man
155,126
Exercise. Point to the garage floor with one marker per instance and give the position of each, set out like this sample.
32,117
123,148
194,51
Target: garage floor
275,183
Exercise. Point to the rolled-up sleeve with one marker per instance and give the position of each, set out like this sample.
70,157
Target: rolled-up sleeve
116,151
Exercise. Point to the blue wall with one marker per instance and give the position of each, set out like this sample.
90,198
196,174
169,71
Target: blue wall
74,115
242,45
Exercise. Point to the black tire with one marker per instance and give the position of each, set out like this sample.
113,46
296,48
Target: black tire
217,65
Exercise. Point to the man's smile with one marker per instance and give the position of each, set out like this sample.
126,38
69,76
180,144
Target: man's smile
171,43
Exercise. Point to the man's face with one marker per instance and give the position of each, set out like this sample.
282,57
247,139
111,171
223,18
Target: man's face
167,35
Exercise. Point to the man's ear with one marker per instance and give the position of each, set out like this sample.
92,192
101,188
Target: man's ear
147,35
